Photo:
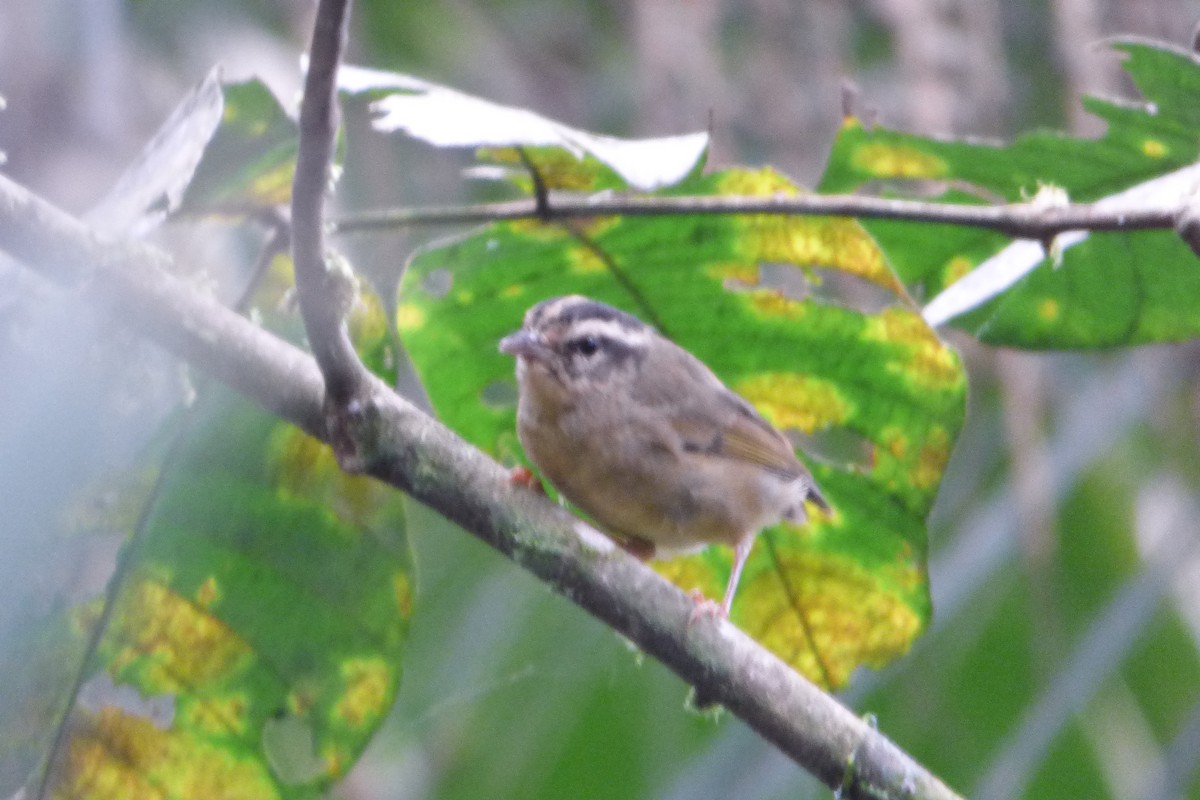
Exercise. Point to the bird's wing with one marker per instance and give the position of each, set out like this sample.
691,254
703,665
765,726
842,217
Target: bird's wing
711,420
730,428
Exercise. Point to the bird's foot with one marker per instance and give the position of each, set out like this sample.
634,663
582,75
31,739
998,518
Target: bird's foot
705,608
523,476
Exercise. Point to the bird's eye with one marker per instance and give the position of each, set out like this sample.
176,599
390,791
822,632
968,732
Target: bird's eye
586,345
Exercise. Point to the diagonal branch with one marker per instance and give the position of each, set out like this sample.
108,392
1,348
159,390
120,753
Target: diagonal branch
420,456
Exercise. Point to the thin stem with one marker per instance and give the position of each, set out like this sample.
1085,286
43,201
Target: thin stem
1019,220
645,307
796,603
541,194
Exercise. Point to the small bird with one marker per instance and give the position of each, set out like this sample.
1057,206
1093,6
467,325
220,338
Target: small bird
644,438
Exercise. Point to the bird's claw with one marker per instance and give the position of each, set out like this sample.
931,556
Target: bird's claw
523,476
705,608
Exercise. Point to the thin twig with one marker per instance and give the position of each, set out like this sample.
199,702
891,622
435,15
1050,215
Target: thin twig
422,457
541,194
1019,220
278,241
645,308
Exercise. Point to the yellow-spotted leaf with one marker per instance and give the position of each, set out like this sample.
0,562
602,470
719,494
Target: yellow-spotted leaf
806,320
249,162
1099,289
253,639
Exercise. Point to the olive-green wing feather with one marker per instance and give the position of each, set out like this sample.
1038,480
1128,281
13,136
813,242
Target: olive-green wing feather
712,420
727,427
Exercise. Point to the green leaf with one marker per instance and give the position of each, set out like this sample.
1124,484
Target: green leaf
843,590
267,599
249,163
1112,289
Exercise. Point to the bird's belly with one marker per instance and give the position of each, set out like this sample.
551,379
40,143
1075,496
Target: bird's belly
669,498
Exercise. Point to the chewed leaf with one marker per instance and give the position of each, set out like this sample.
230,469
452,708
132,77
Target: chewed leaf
226,149
249,163
1082,289
848,588
153,185
114,755
269,591
446,117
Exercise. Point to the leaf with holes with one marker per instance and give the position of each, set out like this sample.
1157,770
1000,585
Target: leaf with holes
1109,288
154,184
765,301
264,610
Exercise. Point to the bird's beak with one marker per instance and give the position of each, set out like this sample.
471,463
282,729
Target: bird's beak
525,343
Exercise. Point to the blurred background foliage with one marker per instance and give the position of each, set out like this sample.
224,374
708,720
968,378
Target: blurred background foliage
1065,568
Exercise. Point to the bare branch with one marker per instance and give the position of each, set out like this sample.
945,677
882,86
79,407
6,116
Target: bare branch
420,456
132,280
323,292
1019,220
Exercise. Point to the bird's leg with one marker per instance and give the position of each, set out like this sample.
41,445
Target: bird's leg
741,552
707,608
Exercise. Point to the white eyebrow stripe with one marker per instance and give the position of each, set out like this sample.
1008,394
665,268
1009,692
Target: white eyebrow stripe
610,329
555,310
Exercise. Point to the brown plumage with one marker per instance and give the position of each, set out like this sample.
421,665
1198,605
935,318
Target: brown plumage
644,438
